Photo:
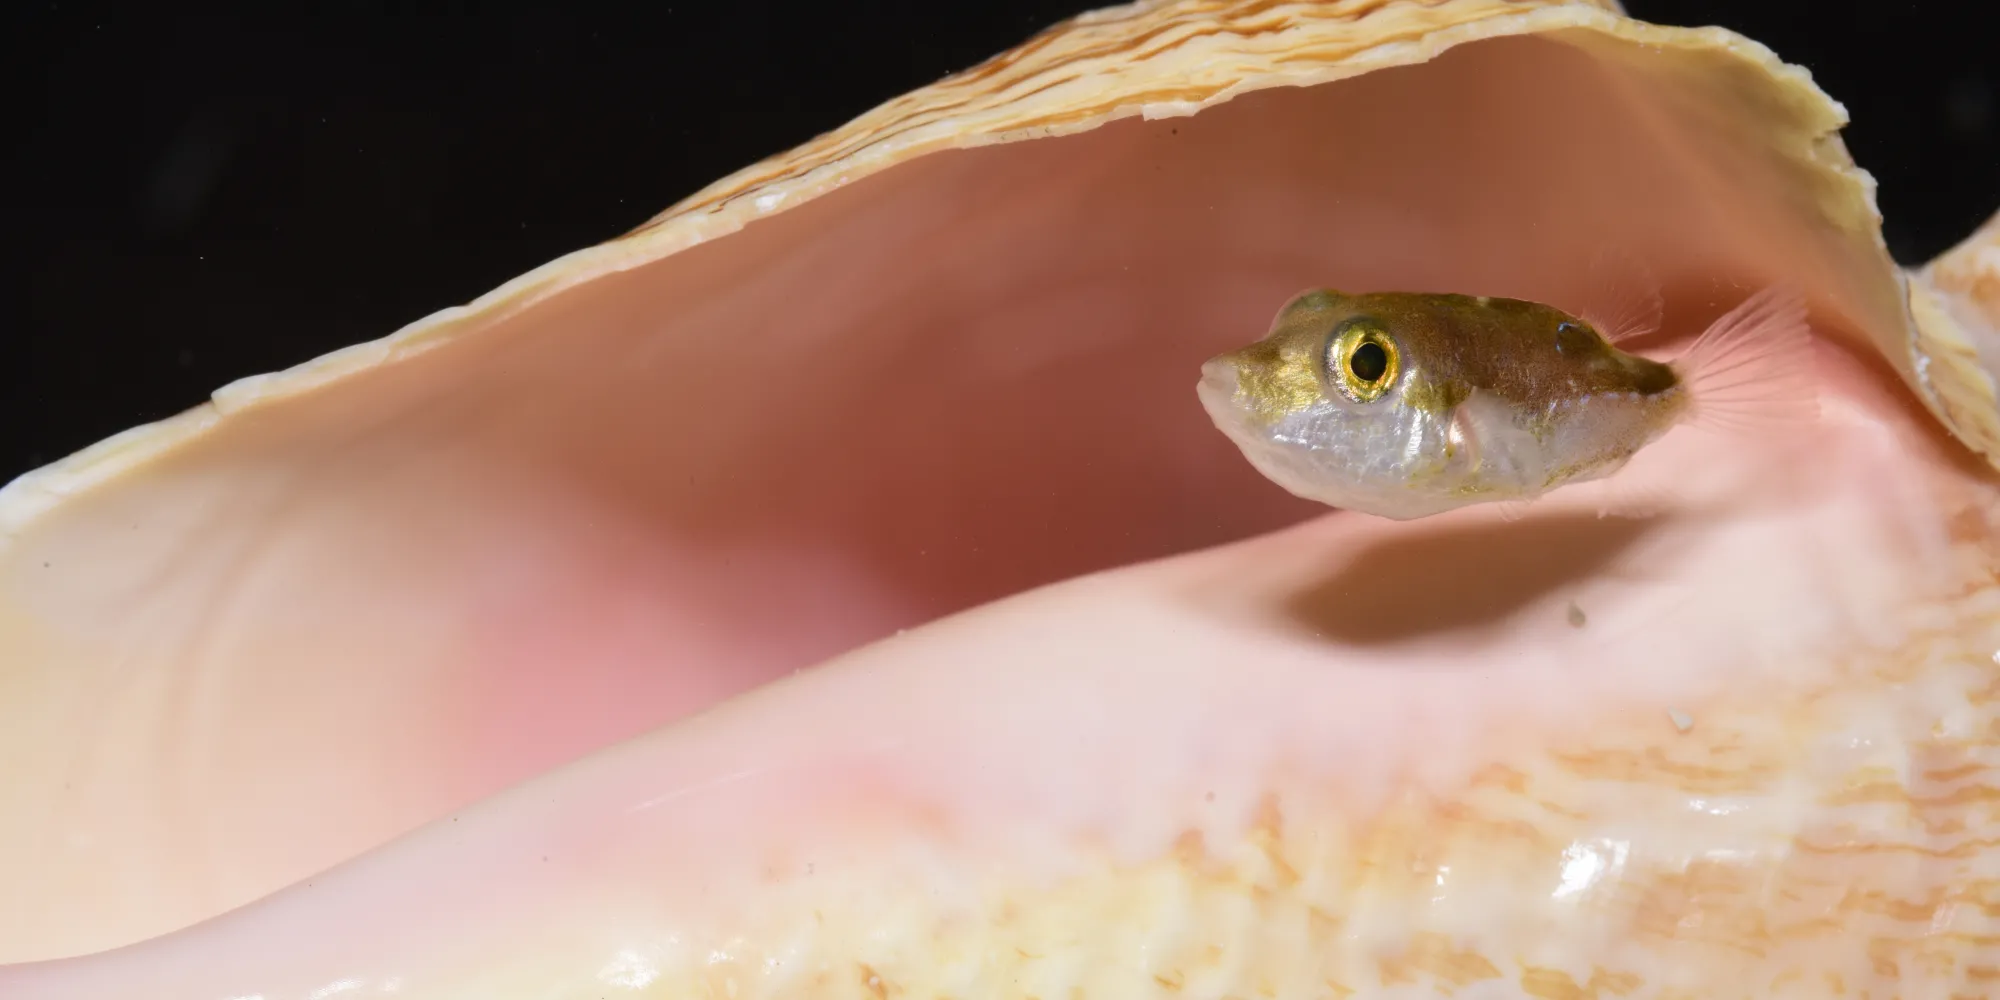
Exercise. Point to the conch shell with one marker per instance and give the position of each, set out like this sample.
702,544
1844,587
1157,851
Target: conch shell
482,605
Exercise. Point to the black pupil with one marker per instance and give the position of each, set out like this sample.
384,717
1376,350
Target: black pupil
1368,362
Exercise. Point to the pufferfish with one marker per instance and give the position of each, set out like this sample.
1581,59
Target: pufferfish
1409,404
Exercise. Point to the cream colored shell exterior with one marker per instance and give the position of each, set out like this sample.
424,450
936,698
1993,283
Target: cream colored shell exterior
1955,340
1164,58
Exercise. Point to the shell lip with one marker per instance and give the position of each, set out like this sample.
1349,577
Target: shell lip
965,110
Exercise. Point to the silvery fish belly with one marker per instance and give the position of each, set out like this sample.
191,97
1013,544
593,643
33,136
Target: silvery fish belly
1376,461
1406,404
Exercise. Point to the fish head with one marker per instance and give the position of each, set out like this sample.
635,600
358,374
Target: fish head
1407,404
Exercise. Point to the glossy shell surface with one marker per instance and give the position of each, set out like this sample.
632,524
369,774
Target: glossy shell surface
518,604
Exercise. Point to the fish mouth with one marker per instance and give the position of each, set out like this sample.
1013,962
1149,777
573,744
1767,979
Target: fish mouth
1218,388
553,659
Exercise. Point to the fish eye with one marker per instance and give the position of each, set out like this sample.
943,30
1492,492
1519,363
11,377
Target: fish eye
1368,362
1362,360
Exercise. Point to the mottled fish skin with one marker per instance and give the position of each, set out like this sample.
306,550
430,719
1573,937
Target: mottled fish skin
1408,404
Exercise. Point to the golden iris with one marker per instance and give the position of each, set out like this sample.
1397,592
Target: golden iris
1362,360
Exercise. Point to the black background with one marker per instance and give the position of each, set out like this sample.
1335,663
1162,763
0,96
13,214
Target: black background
202,196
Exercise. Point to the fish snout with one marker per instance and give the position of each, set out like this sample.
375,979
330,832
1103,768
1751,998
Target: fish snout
1219,380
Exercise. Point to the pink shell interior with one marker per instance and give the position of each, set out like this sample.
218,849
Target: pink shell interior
342,617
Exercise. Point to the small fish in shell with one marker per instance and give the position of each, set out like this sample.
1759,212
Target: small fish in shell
1410,404
558,615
